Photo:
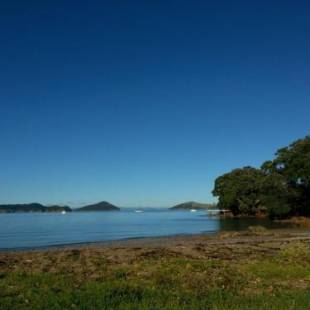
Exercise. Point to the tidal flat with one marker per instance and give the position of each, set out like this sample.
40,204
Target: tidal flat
254,269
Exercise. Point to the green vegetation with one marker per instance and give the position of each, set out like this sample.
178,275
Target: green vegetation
281,188
78,281
31,207
37,207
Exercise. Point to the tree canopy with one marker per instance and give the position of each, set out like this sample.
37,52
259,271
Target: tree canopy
238,190
293,163
280,188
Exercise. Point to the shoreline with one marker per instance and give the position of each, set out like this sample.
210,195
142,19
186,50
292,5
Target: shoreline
229,270
109,243
285,234
160,239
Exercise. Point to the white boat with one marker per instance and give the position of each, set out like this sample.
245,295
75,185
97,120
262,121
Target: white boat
193,210
138,211
63,212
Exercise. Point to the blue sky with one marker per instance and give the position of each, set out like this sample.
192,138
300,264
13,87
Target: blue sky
145,103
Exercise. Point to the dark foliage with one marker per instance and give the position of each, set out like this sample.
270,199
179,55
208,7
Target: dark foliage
280,188
31,207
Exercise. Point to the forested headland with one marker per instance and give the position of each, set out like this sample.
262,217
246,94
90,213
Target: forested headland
280,188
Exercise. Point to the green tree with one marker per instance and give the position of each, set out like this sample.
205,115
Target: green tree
293,164
250,191
239,191
274,195
280,188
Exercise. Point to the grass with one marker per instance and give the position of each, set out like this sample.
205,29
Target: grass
281,281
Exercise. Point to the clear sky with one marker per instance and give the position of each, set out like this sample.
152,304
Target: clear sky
145,103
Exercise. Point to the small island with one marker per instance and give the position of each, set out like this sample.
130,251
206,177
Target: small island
192,205
32,207
100,206
39,208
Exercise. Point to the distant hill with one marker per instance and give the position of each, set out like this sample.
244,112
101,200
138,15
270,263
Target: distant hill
31,207
100,206
58,209
192,205
37,207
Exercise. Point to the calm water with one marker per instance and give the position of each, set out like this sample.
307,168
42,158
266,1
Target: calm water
41,229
